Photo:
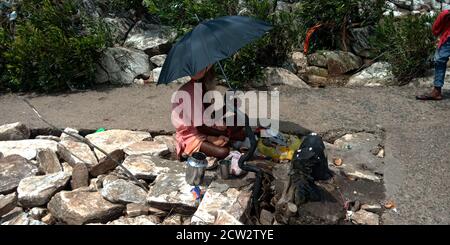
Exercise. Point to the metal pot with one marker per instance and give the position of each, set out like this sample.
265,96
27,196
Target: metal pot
195,169
224,169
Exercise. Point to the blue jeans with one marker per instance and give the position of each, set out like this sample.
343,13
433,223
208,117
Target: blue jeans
441,58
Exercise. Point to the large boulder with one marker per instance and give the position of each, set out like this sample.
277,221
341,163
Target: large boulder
12,170
26,148
122,191
378,74
37,190
222,197
14,131
170,192
7,203
149,167
112,140
280,76
151,38
337,62
121,66
79,207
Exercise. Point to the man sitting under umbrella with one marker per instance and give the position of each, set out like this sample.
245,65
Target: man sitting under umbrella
213,141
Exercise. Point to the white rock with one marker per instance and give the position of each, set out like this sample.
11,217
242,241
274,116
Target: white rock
14,131
70,131
112,140
224,218
79,207
23,219
121,66
281,76
26,148
75,153
37,190
140,220
363,217
122,191
221,197
155,73
170,192
149,167
378,74
151,148
158,60
372,207
151,38
38,213
170,141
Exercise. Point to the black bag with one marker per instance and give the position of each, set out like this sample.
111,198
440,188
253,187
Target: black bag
308,165
312,150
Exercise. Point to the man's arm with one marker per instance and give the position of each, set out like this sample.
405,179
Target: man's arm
440,23
211,131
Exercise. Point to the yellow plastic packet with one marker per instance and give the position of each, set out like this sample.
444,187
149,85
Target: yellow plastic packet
280,153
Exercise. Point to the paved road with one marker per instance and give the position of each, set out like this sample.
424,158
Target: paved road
417,173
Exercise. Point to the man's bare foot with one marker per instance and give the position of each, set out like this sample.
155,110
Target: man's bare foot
434,95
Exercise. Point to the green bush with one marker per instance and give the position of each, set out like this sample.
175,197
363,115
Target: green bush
337,16
183,14
54,47
406,43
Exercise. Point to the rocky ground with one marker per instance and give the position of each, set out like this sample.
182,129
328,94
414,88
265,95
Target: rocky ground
393,149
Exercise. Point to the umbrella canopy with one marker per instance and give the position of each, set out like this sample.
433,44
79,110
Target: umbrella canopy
208,43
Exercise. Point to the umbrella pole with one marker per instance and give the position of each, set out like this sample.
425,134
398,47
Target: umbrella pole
224,75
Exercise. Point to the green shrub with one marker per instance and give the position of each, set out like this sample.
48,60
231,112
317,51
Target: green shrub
406,43
183,14
55,47
337,16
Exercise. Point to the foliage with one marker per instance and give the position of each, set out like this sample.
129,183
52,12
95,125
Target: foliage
53,46
336,17
406,43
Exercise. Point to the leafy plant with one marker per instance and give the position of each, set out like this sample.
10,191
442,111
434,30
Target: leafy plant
336,17
406,43
54,47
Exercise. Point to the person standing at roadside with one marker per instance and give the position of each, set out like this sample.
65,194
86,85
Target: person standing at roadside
441,29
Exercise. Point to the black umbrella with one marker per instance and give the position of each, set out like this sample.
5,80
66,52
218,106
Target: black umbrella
208,43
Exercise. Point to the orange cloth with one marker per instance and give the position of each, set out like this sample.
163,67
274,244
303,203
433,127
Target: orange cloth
309,35
188,138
